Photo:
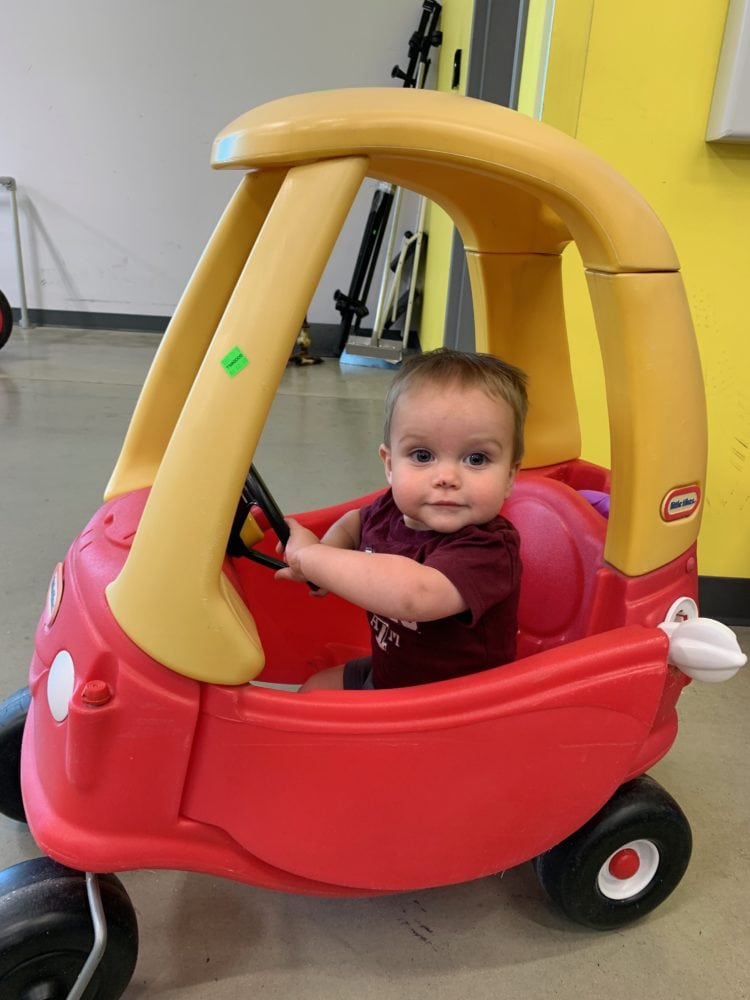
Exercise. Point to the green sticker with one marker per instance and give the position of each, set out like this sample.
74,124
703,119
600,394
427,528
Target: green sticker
234,362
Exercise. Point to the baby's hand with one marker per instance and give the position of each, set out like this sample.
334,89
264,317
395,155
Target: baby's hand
299,538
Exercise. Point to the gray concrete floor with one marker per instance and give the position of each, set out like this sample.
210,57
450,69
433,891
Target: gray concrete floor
65,400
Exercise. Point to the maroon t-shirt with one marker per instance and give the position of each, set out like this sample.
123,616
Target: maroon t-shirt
482,562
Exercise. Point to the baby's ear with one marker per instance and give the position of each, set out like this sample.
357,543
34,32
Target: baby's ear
511,478
385,453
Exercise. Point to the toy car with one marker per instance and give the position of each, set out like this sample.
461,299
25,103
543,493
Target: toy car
146,741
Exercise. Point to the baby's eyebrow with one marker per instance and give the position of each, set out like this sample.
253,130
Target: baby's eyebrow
486,443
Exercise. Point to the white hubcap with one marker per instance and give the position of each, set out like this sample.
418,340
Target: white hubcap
628,870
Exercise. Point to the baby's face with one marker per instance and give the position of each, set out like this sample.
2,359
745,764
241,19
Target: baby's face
450,460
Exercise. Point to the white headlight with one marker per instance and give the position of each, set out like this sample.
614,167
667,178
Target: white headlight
60,684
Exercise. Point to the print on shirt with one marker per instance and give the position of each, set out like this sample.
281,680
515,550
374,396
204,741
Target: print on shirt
483,564
386,634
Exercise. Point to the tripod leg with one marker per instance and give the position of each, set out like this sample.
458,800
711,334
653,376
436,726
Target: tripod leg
353,306
383,295
412,288
415,268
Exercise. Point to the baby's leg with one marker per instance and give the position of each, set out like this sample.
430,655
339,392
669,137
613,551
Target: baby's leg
356,675
331,679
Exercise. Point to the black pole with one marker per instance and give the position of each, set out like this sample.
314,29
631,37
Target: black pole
353,304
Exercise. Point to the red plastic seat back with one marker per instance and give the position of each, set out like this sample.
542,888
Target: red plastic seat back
562,541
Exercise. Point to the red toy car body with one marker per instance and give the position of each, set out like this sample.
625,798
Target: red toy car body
144,745
333,794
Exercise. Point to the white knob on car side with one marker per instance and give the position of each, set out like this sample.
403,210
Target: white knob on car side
704,649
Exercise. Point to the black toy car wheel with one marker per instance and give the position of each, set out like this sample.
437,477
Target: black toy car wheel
46,933
6,319
624,862
13,712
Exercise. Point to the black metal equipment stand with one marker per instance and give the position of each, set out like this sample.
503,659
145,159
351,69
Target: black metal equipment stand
353,304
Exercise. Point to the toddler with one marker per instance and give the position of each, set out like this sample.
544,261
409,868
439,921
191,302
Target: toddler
432,561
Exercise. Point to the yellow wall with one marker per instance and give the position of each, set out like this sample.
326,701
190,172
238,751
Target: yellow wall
634,83
637,90
539,18
455,23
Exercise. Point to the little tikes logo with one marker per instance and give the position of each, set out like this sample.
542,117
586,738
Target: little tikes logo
681,502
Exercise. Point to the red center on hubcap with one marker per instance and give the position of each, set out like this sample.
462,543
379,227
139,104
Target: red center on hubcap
624,863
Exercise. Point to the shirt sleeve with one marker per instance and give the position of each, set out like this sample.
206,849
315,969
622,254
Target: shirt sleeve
483,565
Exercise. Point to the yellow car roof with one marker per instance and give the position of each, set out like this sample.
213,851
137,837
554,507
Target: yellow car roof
518,191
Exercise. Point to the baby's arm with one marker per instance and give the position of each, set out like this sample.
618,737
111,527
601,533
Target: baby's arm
388,585
342,534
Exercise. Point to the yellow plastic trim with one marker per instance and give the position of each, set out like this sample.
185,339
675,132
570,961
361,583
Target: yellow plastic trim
657,414
189,333
250,532
519,316
517,188
491,217
612,224
519,192
171,596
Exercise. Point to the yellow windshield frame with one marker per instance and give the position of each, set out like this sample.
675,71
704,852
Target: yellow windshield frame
519,192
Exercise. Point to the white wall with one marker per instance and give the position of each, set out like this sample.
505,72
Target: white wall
107,117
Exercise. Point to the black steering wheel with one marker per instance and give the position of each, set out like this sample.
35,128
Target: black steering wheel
255,493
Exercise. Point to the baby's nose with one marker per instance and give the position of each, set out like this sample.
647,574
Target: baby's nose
447,474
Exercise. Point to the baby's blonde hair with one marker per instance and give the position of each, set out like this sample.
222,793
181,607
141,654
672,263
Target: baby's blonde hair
446,367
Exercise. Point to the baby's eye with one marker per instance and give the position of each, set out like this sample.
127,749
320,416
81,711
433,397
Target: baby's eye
477,459
421,456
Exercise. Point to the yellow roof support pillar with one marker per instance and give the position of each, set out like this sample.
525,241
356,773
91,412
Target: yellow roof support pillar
203,628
